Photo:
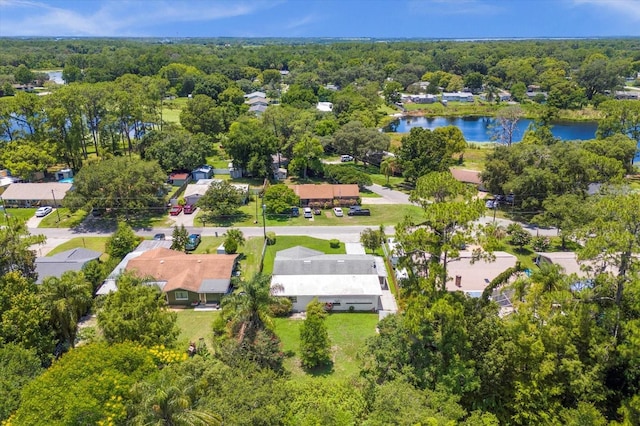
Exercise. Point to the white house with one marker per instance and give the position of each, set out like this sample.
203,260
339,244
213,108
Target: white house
194,191
324,106
457,97
473,277
340,281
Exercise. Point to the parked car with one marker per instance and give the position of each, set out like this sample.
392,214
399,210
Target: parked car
175,210
491,204
188,209
308,214
358,211
43,211
295,211
345,158
193,241
317,211
337,211
159,237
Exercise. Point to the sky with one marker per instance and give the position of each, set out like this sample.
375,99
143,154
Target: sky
383,19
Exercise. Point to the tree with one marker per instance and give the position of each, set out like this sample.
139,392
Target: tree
597,74
567,212
15,252
126,186
389,167
177,150
18,366
234,239
519,236
359,141
122,242
202,115
138,313
473,81
279,199
424,151
71,74
222,199
251,146
67,298
88,385
371,239
23,75
306,155
519,92
346,174
179,238
315,347
24,158
299,97
620,117
506,124
391,92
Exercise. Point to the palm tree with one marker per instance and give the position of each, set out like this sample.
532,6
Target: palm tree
67,298
388,167
248,309
170,399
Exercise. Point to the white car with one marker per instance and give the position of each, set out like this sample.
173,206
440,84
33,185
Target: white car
308,214
43,211
337,211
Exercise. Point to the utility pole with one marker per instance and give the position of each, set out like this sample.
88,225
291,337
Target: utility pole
264,220
55,204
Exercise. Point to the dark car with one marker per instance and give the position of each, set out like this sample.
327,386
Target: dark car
295,211
189,208
193,241
159,237
358,211
175,210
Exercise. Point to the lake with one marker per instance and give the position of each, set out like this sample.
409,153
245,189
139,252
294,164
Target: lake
55,76
480,129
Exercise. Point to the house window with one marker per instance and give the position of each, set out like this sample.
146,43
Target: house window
294,299
182,295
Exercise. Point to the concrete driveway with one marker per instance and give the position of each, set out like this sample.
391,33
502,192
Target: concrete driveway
392,196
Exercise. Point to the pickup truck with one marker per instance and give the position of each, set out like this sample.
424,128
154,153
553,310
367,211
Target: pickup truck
358,211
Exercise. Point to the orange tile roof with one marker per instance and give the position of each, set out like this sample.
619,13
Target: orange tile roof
180,270
325,191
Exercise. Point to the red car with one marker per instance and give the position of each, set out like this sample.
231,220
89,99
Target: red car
175,210
189,208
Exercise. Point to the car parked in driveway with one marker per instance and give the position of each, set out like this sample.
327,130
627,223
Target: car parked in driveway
160,237
43,211
193,241
491,204
338,211
188,209
175,210
308,214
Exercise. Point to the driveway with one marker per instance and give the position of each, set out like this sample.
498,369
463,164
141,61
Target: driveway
184,219
392,196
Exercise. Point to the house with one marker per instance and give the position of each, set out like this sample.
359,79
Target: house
186,279
468,176
327,193
64,175
473,277
179,178
457,97
341,281
70,260
35,194
332,87
324,106
258,109
627,95
257,101
194,191
568,261
109,283
202,172
256,95
419,99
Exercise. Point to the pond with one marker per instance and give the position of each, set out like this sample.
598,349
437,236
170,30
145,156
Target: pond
481,129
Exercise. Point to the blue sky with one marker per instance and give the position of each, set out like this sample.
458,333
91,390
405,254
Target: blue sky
321,18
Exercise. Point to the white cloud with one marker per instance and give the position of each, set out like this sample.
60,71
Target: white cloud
301,22
115,18
626,8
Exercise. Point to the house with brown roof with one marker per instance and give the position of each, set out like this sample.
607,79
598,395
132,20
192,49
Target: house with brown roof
468,176
326,193
186,279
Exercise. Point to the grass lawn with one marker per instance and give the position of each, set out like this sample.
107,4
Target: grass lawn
67,219
250,262
347,332
91,243
288,241
21,214
209,245
475,156
194,325
171,110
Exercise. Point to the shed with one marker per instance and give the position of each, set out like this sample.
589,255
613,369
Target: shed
202,172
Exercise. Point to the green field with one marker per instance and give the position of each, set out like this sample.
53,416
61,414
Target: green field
67,219
347,332
195,325
20,214
171,110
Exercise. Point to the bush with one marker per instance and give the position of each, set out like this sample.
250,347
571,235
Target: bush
230,246
352,308
282,308
541,243
271,238
334,243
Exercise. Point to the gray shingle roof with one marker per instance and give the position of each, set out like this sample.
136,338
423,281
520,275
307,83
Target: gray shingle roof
326,264
70,260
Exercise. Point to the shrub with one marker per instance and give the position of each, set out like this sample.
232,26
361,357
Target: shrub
352,308
541,243
271,238
230,246
282,308
334,243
